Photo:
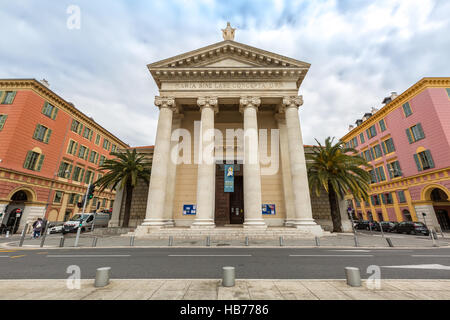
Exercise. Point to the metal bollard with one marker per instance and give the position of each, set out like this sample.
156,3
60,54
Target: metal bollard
246,241
44,234
24,232
208,241
94,242
281,242
228,276
7,234
433,234
317,242
102,277
353,276
131,241
356,241
61,241
170,241
389,242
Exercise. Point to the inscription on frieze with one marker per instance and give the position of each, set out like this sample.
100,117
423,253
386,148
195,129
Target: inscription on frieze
227,85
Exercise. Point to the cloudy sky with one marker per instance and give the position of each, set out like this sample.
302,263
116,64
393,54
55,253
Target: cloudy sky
359,50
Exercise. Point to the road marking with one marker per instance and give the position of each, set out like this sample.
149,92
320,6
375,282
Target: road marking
209,255
4,256
421,266
88,256
351,250
7,251
42,253
332,255
431,255
14,257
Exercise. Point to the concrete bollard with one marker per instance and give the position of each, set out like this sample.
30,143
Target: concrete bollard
353,276
356,241
131,241
24,232
246,241
317,242
389,242
7,234
170,241
102,277
61,241
94,242
281,242
208,241
228,276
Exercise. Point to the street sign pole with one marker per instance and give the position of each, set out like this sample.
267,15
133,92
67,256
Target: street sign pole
81,219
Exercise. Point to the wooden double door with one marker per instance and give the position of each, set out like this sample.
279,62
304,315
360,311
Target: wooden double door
229,208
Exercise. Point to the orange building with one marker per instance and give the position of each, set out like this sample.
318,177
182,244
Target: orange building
49,153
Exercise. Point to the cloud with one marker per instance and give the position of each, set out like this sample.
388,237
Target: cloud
359,51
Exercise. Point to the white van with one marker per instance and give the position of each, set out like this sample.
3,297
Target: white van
88,220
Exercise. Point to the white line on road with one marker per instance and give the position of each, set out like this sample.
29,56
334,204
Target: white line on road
209,255
421,266
351,250
332,255
88,256
4,256
431,255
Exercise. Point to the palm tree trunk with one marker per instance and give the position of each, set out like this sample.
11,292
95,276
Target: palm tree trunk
129,197
335,214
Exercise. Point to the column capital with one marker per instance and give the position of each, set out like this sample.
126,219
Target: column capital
249,102
208,102
166,102
291,102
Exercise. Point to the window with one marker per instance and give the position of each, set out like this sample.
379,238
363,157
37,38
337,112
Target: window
102,160
407,109
387,198
448,92
33,161
373,175
76,126
94,157
377,150
42,133
97,139
65,169
368,155
103,202
388,146
94,202
380,174
382,125
9,97
78,174
2,120
106,144
87,133
89,177
394,169
72,149
375,200
361,138
50,111
371,132
113,149
415,133
58,197
83,152
73,198
424,160
401,196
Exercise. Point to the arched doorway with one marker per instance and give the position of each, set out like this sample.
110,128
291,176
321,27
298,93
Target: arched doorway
441,205
406,215
14,211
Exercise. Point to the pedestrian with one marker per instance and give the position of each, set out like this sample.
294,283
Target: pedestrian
37,227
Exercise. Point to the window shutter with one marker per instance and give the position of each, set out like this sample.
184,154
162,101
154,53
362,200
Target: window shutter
391,141
70,171
383,177
419,166
90,135
87,154
397,167
390,168
47,136
1,94
75,148
11,97
419,127
430,159
27,160
2,120
41,160
61,172
44,109
383,145
372,154
55,112
408,134
80,129
36,132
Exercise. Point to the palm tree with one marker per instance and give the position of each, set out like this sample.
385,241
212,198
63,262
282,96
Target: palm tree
338,170
125,170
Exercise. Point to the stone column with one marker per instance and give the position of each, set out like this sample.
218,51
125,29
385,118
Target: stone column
117,206
303,212
206,168
286,170
171,177
154,216
252,173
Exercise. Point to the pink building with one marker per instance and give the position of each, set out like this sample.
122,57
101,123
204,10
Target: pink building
407,142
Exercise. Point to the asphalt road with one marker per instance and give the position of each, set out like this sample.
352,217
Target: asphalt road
207,263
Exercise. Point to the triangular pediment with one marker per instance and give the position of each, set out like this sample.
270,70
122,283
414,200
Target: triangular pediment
228,63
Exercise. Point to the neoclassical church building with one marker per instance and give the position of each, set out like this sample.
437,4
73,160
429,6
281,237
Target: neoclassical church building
228,149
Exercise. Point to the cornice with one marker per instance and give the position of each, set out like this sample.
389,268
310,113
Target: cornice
411,92
48,94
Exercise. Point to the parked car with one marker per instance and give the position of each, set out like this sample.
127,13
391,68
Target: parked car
412,228
55,228
362,225
386,225
87,220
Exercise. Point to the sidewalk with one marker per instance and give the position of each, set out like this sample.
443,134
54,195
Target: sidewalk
186,289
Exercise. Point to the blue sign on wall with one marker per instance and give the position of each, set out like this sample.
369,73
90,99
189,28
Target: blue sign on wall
268,209
190,209
228,185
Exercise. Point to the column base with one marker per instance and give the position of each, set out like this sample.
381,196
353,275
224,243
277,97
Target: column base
308,226
289,223
255,224
203,224
170,223
158,223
